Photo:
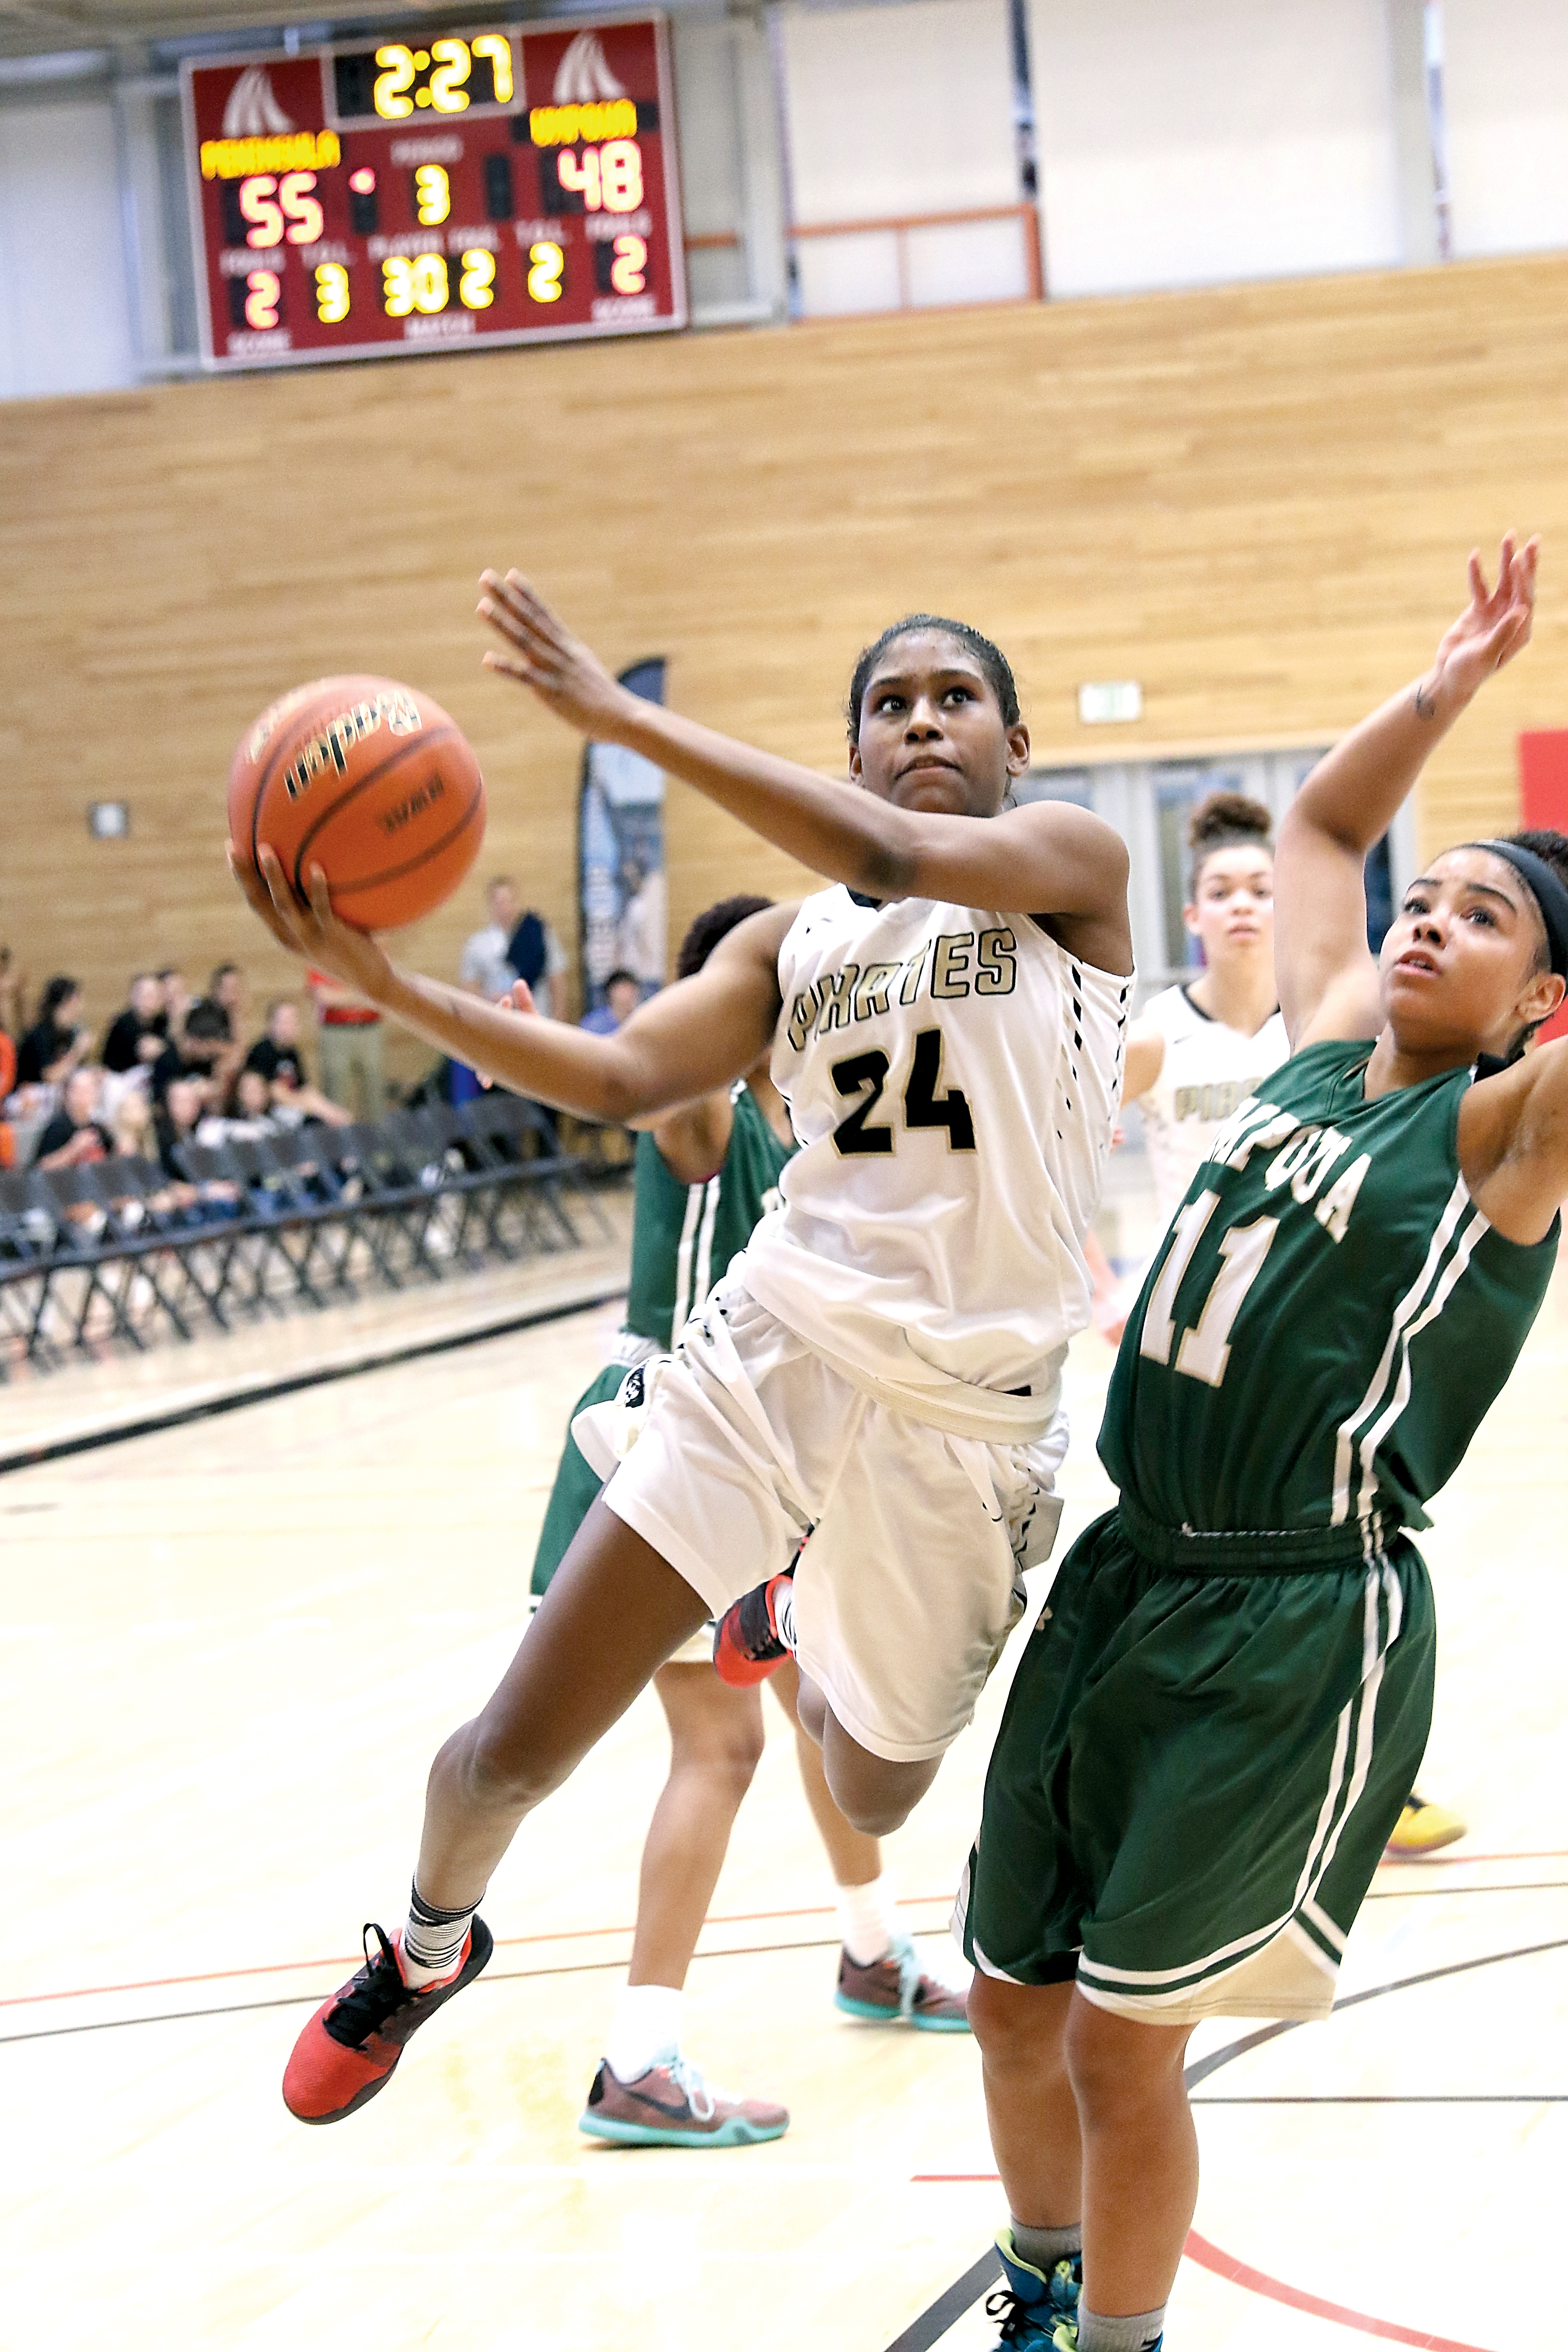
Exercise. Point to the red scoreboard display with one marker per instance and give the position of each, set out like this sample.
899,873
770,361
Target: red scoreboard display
437,191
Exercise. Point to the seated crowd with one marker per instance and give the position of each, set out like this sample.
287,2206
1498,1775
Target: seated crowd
170,1069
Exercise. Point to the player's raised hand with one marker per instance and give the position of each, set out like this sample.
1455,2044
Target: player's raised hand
1495,625
307,926
540,652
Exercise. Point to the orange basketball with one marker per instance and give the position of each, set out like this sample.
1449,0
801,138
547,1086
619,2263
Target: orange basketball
369,780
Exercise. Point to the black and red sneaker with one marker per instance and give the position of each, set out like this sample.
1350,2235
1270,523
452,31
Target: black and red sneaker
353,2042
756,1633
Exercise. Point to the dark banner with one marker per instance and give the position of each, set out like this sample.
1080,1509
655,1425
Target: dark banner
621,892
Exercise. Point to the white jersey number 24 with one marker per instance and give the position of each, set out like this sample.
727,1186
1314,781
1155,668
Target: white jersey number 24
866,1074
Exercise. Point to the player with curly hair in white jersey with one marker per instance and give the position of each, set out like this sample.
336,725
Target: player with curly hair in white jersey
881,1368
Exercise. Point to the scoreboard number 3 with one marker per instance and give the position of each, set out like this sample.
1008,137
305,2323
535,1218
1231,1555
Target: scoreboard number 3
332,293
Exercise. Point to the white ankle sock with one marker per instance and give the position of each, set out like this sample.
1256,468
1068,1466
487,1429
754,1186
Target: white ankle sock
645,2031
867,1920
1139,2333
431,1944
1042,2249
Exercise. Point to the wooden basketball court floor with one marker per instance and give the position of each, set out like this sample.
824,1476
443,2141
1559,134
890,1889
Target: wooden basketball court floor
230,1647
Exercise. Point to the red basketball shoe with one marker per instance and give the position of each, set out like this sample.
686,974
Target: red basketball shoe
353,2042
756,1633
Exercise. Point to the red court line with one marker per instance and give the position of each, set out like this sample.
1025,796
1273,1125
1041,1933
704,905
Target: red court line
1225,2266
349,1961
578,1934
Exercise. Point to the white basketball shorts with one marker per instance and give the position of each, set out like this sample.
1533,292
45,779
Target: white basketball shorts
912,1580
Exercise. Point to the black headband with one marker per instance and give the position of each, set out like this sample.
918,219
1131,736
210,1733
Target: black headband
1547,890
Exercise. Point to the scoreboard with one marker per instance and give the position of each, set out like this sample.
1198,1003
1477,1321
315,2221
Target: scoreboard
438,191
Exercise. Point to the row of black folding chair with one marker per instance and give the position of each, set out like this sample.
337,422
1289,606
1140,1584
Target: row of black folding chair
412,1190
108,1223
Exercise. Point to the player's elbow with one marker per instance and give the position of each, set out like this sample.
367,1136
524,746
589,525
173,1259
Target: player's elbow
888,870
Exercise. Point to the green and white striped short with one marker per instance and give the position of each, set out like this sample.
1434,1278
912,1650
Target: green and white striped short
1197,1772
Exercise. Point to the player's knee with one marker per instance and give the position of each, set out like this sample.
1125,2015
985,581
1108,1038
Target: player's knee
500,1768
1117,2066
876,1817
1018,2027
727,1761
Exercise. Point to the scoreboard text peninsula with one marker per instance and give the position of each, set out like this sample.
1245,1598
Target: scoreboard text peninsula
436,191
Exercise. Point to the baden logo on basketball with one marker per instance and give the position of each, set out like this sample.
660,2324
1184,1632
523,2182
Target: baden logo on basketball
398,712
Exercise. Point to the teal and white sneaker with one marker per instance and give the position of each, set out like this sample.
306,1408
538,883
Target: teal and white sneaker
1038,2310
672,2106
896,1990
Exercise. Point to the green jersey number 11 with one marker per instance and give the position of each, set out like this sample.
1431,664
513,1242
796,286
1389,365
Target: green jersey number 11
1205,1345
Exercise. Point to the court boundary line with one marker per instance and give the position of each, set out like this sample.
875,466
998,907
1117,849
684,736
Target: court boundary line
502,1944
719,1919
315,2000
923,2333
267,1391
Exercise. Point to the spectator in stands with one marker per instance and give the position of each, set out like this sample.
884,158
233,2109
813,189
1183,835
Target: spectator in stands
277,1055
137,1036
483,967
58,1042
177,997
227,990
75,1135
348,1040
200,1050
132,1123
623,994
534,953
641,933
175,1121
246,1115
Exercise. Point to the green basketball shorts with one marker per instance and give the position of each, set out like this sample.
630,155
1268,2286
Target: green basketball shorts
577,1485
1197,1775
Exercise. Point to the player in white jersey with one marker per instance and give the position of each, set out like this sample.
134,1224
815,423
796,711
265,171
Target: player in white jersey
1199,1049
882,1371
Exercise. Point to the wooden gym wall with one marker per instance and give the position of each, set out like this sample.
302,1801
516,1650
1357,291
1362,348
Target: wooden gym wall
1257,500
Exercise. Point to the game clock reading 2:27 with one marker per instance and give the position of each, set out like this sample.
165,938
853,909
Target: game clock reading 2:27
438,190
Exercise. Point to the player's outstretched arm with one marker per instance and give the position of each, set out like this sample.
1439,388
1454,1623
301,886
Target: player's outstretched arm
689,1039
1047,859
1328,981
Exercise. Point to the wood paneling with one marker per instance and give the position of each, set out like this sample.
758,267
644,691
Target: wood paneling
1257,500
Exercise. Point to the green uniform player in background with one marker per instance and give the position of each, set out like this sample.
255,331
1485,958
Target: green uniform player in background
1219,1716
683,1237
705,1174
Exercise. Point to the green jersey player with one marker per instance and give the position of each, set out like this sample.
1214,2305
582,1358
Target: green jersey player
1222,1709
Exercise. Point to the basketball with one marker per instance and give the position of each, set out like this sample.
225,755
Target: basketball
370,780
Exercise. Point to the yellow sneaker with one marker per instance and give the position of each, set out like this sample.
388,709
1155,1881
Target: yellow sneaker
1422,1828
